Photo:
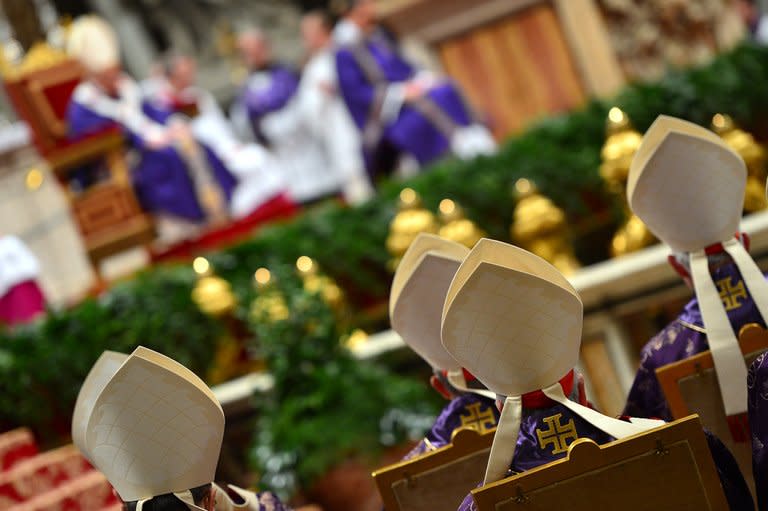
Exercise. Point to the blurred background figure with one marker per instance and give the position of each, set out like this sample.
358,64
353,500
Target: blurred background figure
174,97
267,111
755,21
395,106
21,299
172,176
324,112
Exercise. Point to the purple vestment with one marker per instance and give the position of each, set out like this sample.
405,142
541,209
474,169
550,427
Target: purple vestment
757,388
464,411
369,72
160,176
683,338
266,91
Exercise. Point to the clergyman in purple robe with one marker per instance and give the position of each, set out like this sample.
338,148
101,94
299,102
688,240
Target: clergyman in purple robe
164,180
397,107
686,335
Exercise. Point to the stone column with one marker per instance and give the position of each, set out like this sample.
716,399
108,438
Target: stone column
592,49
24,21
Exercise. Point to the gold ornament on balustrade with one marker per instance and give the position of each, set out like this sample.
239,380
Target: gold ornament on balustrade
269,303
457,227
539,226
212,294
754,156
318,283
621,144
410,220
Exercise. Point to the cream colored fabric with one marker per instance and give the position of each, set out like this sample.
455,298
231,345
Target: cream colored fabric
94,43
418,292
687,185
154,428
511,319
515,322
250,500
100,374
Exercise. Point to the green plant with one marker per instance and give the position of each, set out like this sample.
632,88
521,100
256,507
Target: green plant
325,405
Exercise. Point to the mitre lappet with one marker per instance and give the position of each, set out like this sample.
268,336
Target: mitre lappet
514,321
687,185
416,301
150,425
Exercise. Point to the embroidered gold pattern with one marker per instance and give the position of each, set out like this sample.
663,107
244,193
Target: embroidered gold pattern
557,434
481,421
730,294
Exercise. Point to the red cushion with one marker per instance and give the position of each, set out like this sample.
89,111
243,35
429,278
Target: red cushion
39,474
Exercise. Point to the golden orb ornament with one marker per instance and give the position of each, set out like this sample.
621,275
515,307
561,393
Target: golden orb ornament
456,227
754,157
269,303
621,144
212,294
539,226
317,283
410,220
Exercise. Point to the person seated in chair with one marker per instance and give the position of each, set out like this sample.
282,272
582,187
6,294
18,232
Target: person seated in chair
415,304
730,291
395,106
155,430
514,321
174,97
757,388
173,177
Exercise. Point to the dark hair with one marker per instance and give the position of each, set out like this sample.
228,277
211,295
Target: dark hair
169,502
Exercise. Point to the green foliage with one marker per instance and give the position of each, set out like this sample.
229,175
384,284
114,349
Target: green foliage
326,405
42,365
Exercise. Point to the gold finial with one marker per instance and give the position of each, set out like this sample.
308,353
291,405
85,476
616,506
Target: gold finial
269,303
305,265
315,283
356,339
262,277
539,226
212,294
621,144
754,157
410,220
201,266
456,227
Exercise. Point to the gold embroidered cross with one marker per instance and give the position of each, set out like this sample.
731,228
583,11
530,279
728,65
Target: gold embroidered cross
477,419
557,434
730,294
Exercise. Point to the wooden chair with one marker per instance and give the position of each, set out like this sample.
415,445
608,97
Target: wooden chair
107,213
666,468
439,479
690,386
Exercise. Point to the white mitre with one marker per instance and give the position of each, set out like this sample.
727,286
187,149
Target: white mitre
150,425
416,300
514,321
687,185
93,42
